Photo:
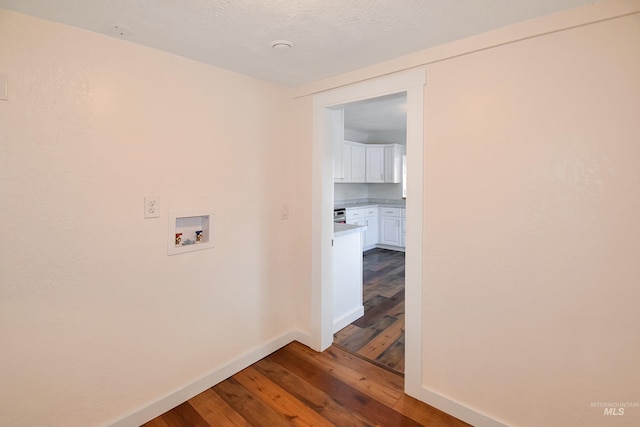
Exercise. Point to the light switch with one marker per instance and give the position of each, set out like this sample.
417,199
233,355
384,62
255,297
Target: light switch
4,89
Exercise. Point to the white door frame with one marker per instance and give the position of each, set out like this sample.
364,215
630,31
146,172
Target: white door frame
412,82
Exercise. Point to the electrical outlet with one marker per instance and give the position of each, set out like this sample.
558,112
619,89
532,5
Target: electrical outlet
151,207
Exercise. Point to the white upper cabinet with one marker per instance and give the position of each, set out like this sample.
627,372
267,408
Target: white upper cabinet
346,163
354,162
352,159
358,162
375,163
393,163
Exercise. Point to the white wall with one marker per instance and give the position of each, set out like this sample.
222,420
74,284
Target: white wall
95,319
531,217
531,293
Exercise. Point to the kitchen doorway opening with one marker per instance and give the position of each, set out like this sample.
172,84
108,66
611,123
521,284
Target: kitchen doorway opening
324,107
370,139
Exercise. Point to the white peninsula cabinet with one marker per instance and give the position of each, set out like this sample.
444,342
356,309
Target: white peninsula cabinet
347,275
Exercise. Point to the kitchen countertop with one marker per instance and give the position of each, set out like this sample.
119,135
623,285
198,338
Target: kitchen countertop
372,202
340,230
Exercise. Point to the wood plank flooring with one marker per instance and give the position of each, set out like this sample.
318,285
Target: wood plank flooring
379,334
296,386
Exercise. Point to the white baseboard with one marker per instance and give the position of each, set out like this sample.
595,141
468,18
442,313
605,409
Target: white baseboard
451,407
175,398
348,318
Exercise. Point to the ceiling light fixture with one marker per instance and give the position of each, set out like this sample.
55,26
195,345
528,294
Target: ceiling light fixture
281,44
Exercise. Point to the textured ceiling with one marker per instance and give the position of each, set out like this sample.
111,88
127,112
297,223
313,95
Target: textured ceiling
330,36
385,113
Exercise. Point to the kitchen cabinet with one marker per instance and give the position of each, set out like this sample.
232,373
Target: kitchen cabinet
393,163
369,217
347,278
375,163
385,226
358,162
352,161
370,238
356,216
391,226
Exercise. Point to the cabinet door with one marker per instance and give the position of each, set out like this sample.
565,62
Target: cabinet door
371,237
375,163
358,155
390,230
346,164
393,163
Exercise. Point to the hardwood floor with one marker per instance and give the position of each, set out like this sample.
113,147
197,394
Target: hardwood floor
356,382
379,334
296,386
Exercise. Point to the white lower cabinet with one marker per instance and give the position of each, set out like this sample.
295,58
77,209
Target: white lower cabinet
372,233
391,226
385,226
390,231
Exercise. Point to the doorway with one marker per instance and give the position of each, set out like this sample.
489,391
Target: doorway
369,144
411,82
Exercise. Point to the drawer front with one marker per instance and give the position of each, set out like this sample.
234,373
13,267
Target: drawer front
391,212
355,214
371,211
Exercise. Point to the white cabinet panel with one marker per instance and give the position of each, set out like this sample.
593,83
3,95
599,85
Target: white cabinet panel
375,163
371,236
346,164
352,159
393,163
358,162
354,213
391,211
390,230
347,280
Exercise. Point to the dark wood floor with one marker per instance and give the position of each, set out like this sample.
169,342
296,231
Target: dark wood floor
296,386
379,334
